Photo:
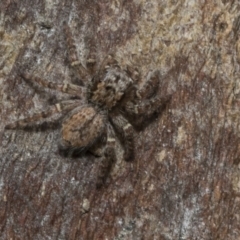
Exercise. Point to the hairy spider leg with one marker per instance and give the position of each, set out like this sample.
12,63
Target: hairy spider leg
109,158
68,88
126,130
151,85
63,106
147,107
73,55
149,102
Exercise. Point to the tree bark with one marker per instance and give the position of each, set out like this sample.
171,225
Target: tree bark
184,181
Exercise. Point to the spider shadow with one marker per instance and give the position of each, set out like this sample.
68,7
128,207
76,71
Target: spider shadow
91,151
74,155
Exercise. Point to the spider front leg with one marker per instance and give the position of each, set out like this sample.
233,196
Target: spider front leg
148,102
75,63
126,130
30,122
68,88
109,158
147,107
151,85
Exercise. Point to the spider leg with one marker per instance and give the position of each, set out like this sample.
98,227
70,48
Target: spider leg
147,107
73,56
68,88
109,158
148,101
63,106
126,130
151,85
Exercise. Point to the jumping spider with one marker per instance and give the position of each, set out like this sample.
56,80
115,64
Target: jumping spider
98,109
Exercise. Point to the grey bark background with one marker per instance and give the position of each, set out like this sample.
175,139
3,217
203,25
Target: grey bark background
184,182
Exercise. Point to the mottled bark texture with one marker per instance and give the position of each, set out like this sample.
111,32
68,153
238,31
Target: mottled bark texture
184,181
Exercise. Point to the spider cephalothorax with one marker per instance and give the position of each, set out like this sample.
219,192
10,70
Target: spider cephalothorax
98,110
108,88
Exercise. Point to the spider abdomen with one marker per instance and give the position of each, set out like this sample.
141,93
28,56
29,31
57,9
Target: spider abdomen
82,128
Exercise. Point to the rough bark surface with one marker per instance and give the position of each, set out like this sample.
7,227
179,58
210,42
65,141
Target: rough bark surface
184,182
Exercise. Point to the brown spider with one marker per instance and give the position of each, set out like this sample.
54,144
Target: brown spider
98,109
